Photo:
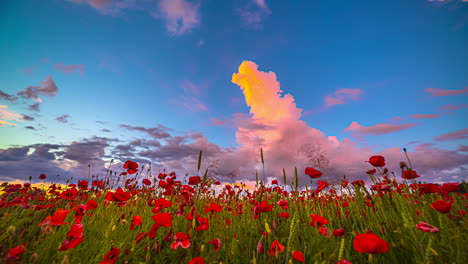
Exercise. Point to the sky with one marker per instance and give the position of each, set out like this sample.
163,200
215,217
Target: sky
84,82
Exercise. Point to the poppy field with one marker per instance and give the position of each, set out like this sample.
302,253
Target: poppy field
138,217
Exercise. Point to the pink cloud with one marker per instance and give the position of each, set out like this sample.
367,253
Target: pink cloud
378,129
190,88
70,68
107,7
30,70
463,148
191,103
453,106
458,134
445,92
341,96
254,13
216,122
396,118
424,116
180,16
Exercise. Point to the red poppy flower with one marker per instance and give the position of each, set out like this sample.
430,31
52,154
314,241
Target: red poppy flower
261,208
163,219
69,244
98,184
343,261
274,182
358,183
259,247
451,187
318,221
344,184
427,188
118,196
216,243
83,185
377,161
298,256
197,260
146,182
338,232
16,251
91,204
276,248
372,172
42,176
313,173
284,215
409,174
180,239
214,208
284,204
370,243
75,231
111,256
204,224
322,185
194,180
56,219
442,206
131,167
160,204
136,221
425,227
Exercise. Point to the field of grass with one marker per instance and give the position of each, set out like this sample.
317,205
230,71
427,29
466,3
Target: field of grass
163,220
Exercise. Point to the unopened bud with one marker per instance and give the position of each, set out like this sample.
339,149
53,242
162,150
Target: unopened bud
11,230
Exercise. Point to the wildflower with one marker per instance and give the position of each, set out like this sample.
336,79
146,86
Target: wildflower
111,256
180,239
318,221
370,243
216,243
274,182
338,232
442,206
276,248
91,204
358,183
118,196
259,247
451,187
284,204
313,173
409,174
214,208
194,180
298,256
146,182
377,161
16,251
344,184
42,176
162,219
69,244
425,227
56,219
197,260
136,221
75,231
284,215
131,167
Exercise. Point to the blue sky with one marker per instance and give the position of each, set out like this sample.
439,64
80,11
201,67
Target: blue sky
151,81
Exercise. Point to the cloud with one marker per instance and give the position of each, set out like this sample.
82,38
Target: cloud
396,118
106,130
445,92
463,148
48,88
27,118
378,129
181,16
63,118
70,68
459,134
159,132
341,96
6,115
254,13
30,127
424,116
8,97
107,7
191,98
453,106
216,122
30,70
34,107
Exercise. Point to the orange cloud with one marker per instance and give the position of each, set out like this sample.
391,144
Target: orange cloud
8,115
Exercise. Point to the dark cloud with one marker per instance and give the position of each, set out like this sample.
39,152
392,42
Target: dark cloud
42,151
86,151
106,130
8,97
28,118
34,107
13,154
47,87
70,68
159,132
30,127
63,118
